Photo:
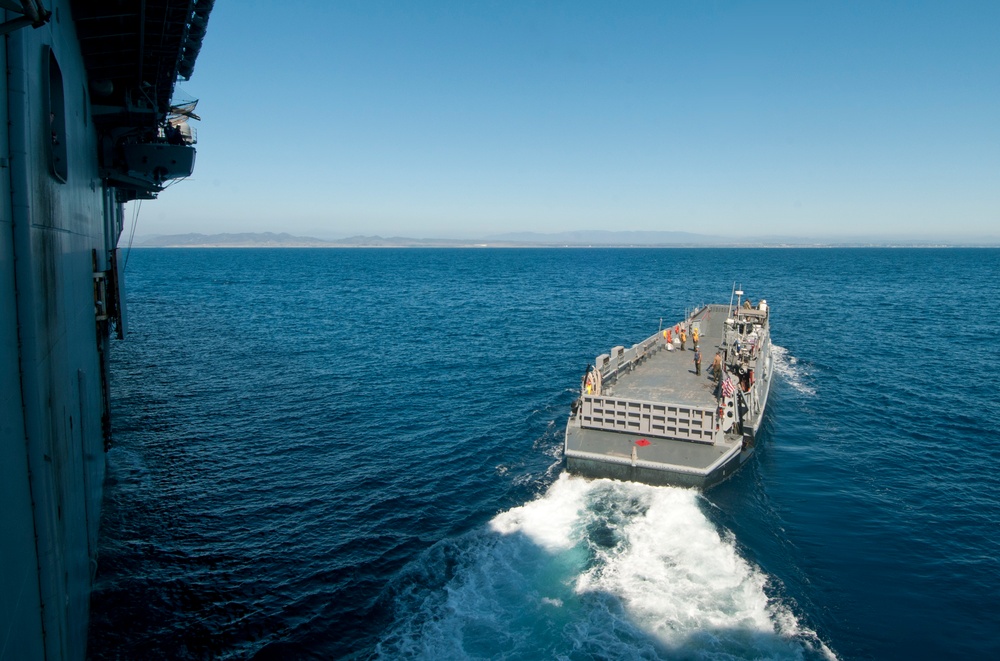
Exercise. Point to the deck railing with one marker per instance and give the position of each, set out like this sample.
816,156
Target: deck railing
689,423
626,359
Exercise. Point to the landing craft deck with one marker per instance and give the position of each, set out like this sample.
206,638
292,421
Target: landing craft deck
645,415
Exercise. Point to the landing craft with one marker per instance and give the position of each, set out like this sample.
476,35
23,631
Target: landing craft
650,414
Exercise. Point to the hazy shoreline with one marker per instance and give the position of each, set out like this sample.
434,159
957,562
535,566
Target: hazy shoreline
609,240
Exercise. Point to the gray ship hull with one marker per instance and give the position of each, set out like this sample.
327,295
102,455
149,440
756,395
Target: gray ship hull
645,415
79,97
665,465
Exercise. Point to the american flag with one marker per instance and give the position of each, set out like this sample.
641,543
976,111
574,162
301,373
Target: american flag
728,389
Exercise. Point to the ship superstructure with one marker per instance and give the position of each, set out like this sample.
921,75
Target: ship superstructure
88,125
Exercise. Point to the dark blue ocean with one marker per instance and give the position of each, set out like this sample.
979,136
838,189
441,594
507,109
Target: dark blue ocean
329,454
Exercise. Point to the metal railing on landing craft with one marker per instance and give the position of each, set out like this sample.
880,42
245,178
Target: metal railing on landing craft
689,423
624,360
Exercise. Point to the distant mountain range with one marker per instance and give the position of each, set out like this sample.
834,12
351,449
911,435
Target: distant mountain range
272,240
240,240
583,238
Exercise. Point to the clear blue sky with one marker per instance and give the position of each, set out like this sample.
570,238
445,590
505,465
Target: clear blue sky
470,118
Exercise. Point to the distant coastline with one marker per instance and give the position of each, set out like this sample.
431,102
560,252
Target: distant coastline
594,239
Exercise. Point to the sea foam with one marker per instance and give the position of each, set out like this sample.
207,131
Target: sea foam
596,568
791,370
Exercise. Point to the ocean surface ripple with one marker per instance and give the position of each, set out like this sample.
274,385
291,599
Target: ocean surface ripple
356,454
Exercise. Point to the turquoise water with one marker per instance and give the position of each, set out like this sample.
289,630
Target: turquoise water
355,454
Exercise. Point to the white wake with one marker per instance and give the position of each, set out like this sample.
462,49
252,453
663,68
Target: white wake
596,569
791,370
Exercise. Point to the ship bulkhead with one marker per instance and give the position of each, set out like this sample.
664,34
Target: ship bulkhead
81,89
